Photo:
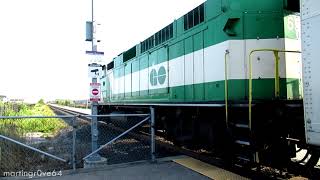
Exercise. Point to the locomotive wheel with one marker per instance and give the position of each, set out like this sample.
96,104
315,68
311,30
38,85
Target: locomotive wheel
315,155
312,162
298,150
310,158
305,156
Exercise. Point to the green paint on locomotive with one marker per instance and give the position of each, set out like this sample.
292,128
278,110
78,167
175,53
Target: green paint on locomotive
224,20
203,92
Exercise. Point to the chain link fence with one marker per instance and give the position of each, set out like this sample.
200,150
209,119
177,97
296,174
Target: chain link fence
5,107
23,150
121,139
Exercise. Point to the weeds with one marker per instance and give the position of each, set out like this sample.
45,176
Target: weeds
14,157
43,125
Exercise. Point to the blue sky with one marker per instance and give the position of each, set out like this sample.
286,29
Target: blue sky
42,41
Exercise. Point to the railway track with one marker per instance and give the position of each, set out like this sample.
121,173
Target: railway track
144,136
202,155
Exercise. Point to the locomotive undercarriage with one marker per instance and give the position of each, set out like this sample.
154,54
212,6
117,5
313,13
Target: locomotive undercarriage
277,129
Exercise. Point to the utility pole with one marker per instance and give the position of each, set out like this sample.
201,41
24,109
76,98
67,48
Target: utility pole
94,104
93,42
95,94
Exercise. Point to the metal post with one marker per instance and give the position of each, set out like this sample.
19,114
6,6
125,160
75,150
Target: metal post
74,136
94,128
94,46
94,105
92,19
152,123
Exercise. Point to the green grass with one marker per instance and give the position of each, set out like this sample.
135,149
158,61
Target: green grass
14,157
43,125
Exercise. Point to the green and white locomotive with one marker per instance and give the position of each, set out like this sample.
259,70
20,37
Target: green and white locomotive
225,76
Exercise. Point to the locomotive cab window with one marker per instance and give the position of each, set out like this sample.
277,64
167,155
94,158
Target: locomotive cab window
292,5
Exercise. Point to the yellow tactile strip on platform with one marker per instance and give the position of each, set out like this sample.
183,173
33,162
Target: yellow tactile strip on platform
208,170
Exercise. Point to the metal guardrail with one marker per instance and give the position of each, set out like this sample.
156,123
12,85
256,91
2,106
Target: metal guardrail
150,117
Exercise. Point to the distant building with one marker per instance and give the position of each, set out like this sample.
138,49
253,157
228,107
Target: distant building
17,100
3,98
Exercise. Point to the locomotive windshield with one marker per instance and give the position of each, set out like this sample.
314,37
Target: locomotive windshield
292,5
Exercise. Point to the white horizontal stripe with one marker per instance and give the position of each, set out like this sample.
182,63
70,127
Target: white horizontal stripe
209,64
188,69
176,72
144,79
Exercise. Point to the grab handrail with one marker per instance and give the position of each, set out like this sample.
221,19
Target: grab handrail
226,84
277,77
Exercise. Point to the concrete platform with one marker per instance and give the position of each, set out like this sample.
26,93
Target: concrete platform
208,170
170,168
154,171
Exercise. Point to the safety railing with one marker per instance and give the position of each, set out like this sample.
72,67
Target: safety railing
277,75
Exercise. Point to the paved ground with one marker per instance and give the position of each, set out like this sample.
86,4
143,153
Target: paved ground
161,170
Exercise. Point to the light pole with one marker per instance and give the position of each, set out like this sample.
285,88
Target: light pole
94,43
94,104
95,159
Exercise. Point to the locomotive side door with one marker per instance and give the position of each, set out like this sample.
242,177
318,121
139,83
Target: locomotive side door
198,66
158,71
189,69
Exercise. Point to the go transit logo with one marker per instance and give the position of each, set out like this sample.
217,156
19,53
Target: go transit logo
158,76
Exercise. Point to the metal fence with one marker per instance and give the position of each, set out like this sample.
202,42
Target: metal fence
121,138
8,106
